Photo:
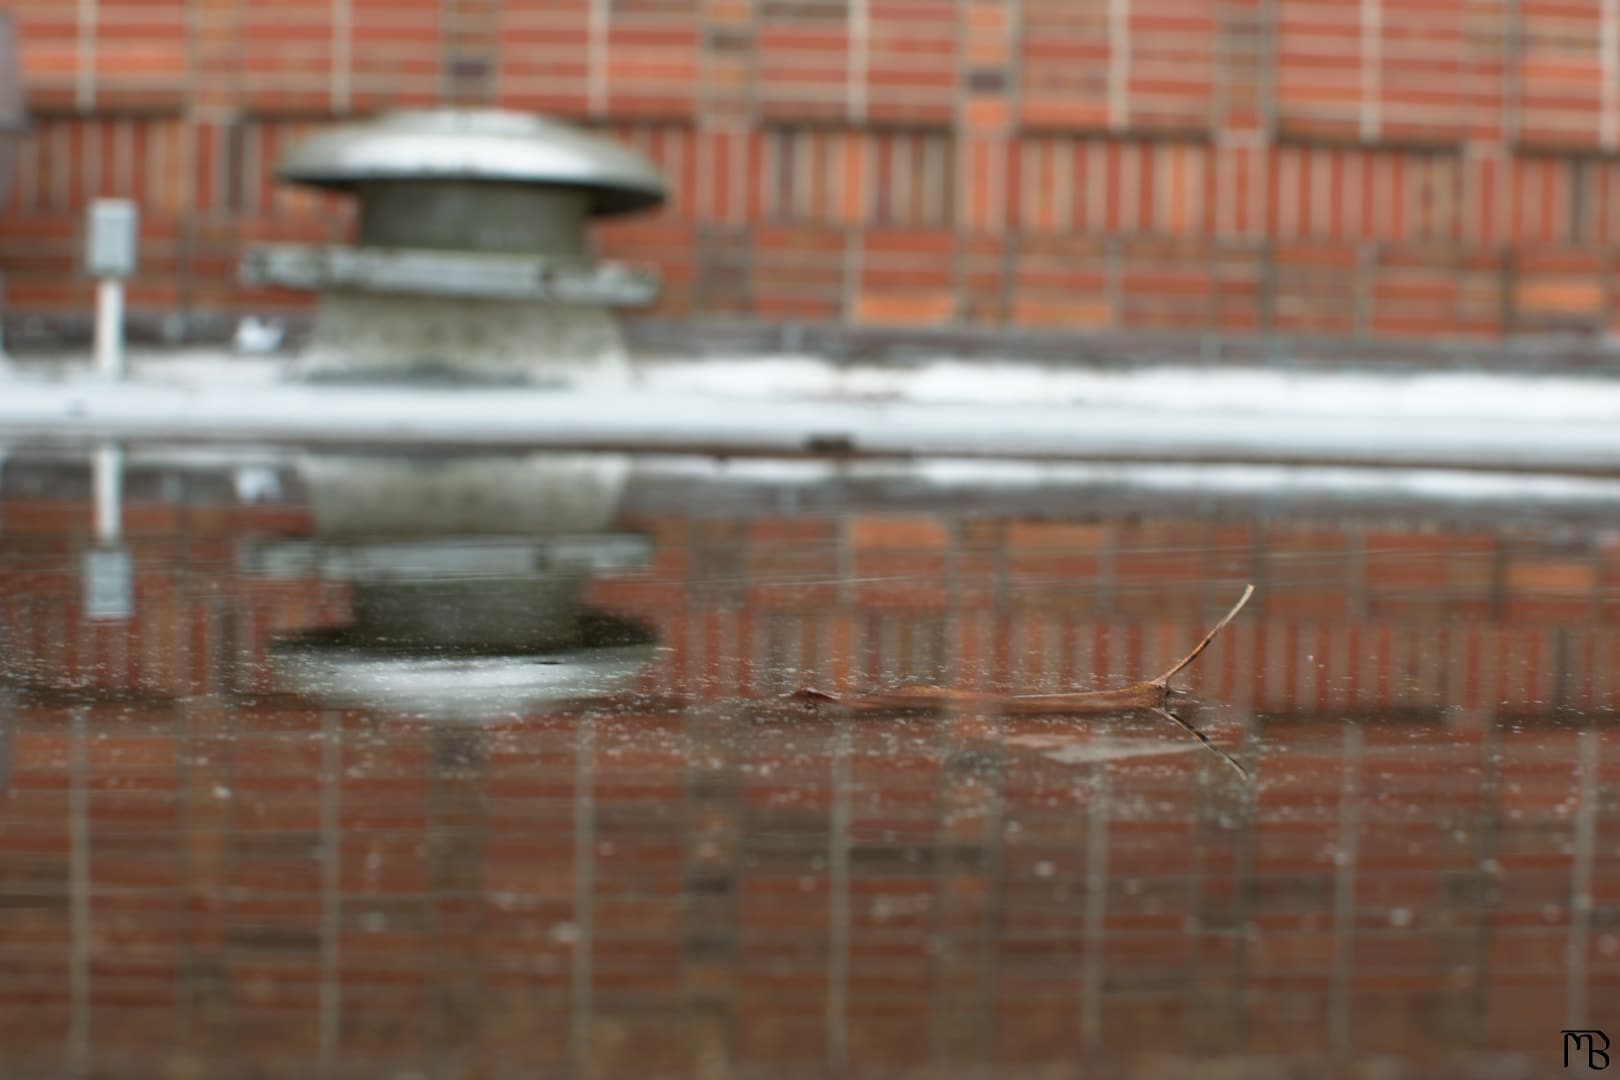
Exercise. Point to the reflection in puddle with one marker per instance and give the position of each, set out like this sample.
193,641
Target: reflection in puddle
466,579
472,687
235,834
1073,749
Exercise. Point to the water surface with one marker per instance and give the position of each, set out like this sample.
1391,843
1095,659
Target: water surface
414,767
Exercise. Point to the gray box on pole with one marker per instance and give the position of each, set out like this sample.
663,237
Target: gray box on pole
111,238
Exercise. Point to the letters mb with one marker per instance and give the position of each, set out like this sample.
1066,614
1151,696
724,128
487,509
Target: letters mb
1597,1057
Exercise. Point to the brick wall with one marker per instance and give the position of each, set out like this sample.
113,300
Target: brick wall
1331,167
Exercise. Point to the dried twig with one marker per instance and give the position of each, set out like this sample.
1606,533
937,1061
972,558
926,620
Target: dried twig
1151,696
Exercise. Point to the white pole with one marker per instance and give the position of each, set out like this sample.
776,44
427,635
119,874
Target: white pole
107,479
110,328
109,589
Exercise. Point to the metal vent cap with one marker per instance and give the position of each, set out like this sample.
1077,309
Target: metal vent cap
481,145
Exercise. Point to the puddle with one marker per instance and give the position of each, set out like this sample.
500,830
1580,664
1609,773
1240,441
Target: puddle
326,765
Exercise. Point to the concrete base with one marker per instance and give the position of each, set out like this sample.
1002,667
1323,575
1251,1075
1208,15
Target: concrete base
379,337
532,495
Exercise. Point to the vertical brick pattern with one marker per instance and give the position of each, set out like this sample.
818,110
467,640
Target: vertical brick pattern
1334,167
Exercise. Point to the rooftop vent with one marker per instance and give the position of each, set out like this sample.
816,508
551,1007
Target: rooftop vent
473,261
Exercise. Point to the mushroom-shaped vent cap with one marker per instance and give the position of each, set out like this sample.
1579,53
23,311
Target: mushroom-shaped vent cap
477,145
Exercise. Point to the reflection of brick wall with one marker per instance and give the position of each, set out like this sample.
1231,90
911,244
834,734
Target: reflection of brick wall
680,884
1348,617
269,881
1345,168
199,625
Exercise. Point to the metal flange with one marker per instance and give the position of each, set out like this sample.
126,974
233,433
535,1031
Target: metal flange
469,275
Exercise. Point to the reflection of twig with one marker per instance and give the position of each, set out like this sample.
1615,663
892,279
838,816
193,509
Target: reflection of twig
1228,758
1153,695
